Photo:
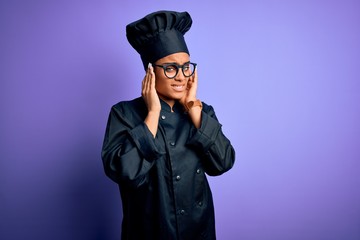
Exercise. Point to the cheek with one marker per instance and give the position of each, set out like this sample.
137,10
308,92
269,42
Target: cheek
159,85
160,82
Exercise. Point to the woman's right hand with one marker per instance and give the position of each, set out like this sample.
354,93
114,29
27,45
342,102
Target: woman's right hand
148,92
152,101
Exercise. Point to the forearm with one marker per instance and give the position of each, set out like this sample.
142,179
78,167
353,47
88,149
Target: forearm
128,151
220,157
195,116
129,156
152,121
217,150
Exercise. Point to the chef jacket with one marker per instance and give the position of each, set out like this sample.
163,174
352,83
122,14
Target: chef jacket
164,190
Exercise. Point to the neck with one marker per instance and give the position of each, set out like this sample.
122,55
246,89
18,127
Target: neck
170,102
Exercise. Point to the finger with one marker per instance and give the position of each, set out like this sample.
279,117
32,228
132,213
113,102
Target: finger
143,86
152,76
195,79
189,84
148,78
194,85
195,76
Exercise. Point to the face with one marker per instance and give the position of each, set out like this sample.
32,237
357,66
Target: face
173,89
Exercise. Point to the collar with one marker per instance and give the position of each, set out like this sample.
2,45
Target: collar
178,108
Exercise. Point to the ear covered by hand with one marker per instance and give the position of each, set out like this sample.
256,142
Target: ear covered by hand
148,91
191,89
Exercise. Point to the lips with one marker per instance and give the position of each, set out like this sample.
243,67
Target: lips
178,87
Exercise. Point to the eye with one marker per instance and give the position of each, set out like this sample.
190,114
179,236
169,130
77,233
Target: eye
170,68
186,67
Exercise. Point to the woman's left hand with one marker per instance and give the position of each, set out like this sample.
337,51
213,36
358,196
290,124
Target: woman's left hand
191,89
190,95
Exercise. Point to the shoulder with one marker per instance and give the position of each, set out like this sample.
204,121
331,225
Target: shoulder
207,108
136,104
130,111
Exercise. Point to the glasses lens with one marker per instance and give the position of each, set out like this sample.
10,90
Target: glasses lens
188,69
170,71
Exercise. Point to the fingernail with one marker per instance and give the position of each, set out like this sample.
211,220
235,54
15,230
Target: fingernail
149,65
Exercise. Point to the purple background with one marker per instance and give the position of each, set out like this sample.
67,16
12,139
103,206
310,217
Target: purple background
283,77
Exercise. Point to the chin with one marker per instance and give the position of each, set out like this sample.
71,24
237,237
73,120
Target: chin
178,96
172,95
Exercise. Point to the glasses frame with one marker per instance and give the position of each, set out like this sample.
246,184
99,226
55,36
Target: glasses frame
164,66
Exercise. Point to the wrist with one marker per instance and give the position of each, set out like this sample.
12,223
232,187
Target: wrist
154,113
193,104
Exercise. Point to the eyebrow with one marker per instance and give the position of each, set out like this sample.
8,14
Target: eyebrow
175,63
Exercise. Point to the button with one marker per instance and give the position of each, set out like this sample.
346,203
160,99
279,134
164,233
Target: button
200,203
172,144
163,117
198,171
182,211
178,177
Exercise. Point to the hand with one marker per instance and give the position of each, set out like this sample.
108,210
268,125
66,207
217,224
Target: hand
195,112
148,91
191,89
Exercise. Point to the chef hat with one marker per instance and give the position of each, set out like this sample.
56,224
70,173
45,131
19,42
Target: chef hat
159,34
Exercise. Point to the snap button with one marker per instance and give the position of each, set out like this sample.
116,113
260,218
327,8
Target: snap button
178,177
198,171
200,203
182,211
163,117
172,144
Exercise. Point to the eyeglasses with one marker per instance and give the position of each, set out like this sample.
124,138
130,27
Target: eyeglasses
171,69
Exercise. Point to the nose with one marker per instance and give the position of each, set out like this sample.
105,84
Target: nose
180,76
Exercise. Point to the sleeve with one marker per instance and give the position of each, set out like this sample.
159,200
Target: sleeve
128,151
219,154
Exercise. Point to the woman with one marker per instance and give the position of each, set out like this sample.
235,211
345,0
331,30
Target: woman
159,147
